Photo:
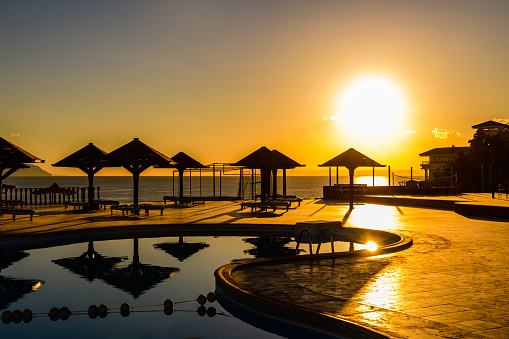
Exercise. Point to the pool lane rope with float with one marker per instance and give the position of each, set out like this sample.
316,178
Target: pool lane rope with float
101,311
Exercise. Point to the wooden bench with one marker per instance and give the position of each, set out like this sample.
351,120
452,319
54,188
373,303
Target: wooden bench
16,211
290,200
283,198
264,206
253,205
79,204
184,200
125,209
105,202
359,188
148,207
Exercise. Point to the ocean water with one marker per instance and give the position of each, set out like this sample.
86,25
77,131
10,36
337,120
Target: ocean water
153,188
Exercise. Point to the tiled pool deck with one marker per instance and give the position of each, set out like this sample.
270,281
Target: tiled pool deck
452,283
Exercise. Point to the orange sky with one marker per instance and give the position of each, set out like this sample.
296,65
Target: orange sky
219,79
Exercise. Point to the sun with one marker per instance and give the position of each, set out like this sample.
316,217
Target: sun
371,108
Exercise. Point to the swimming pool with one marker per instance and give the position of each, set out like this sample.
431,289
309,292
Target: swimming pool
139,272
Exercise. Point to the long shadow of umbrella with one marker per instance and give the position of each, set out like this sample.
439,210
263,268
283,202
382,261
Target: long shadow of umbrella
137,278
90,265
269,247
12,289
181,250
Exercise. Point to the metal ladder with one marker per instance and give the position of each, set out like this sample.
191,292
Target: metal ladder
305,230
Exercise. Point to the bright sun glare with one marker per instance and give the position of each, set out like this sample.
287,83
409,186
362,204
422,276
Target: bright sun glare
372,107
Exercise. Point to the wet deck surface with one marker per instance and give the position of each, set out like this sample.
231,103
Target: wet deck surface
451,283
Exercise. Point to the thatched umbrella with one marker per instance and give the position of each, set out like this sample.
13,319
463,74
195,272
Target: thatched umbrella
267,161
88,159
181,162
351,159
135,157
292,163
13,158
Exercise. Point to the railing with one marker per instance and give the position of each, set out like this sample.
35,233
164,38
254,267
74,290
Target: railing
48,196
322,232
435,162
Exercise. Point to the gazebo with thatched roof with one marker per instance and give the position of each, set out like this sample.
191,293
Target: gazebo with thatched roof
88,159
268,162
351,159
135,157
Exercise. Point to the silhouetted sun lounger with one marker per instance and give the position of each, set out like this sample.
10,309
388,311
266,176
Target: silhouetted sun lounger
16,211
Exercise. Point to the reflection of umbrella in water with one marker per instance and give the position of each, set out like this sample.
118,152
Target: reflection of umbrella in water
181,250
8,258
269,247
12,289
90,265
351,159
137,278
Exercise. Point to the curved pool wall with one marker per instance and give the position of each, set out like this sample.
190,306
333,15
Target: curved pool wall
250,307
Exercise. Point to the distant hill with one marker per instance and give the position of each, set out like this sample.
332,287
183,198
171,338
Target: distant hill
33,171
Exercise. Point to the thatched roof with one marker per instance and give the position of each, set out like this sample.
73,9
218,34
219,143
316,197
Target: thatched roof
12,154
351,158
135,153
264,158
89,155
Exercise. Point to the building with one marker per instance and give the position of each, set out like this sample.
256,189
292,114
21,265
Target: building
439,158
491,127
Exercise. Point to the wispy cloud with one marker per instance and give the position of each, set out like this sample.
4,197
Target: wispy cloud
17,135
441,133
409,131
334,118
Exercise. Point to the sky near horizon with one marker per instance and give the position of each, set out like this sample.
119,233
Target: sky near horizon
219,79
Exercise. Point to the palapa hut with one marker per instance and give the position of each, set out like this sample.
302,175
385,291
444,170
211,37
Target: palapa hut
268,162
88,159
13,158
351,159
135,157
181,162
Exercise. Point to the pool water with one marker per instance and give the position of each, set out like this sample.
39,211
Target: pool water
173,268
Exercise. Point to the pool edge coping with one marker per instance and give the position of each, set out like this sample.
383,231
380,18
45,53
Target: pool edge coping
321,322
